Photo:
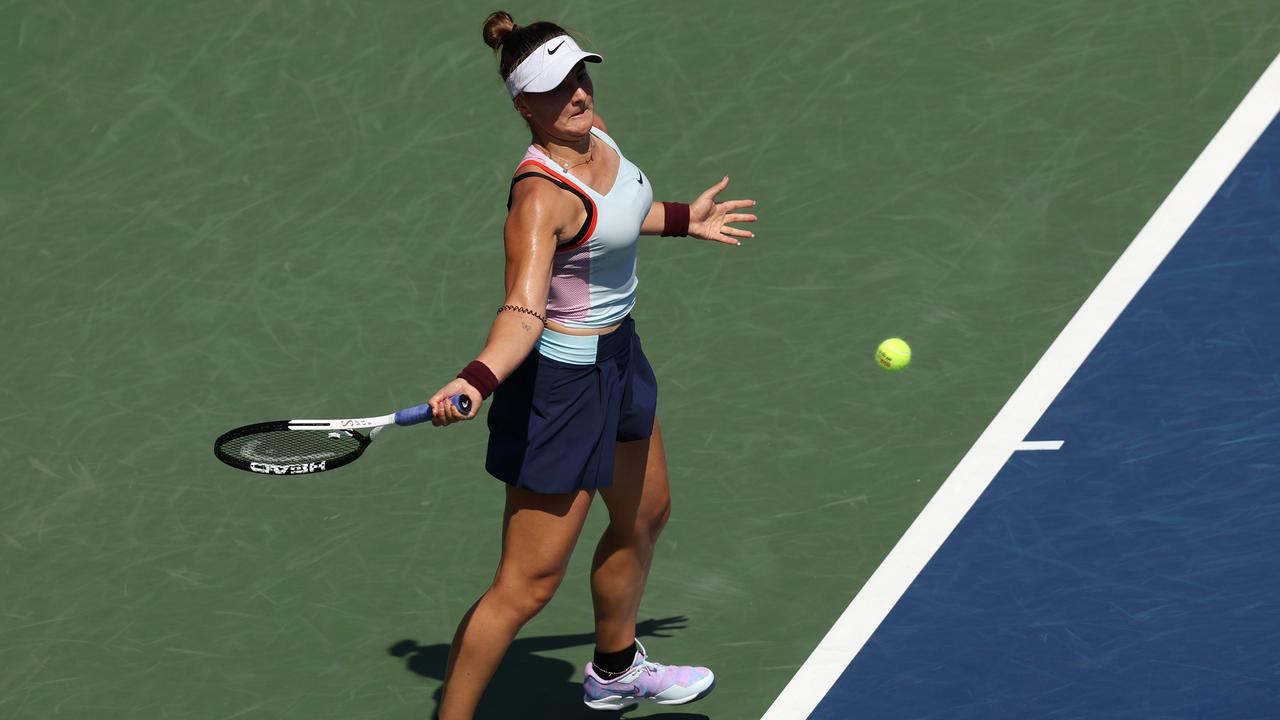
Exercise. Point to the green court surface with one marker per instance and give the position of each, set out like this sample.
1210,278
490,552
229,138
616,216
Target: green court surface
216,213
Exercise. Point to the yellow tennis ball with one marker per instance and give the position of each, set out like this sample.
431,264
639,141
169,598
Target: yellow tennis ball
893,354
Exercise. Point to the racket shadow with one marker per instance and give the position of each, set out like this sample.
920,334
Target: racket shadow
533,686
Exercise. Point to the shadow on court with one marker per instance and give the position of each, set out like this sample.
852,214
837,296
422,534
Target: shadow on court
528,685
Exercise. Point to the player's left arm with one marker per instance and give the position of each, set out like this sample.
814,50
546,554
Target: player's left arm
708,219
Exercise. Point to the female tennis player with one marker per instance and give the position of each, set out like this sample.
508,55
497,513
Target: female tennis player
574,399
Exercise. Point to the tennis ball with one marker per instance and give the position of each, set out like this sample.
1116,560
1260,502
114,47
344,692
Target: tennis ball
893,354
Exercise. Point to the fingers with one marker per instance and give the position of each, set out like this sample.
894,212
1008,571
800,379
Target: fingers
739,217
731,205
728,236
721,233
437,412
445,413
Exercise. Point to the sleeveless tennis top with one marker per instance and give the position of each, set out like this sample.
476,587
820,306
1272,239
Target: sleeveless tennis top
593,276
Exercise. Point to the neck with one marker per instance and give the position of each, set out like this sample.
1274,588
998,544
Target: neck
565,147
571,155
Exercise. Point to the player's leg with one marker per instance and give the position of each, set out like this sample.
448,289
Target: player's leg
639,504
538,535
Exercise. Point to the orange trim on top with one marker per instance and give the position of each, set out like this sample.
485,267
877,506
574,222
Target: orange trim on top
564,177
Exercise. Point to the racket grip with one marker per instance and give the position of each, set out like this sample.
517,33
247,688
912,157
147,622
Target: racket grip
422,413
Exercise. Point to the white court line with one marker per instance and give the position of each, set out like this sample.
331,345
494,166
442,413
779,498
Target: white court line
1039,445
1024,408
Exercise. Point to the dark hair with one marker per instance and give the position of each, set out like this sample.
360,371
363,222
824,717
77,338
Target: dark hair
514,41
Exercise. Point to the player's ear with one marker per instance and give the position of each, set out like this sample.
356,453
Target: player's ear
520,106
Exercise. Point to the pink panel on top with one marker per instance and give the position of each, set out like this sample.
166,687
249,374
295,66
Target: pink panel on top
570,296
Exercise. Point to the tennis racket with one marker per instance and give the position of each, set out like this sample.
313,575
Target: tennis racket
300,447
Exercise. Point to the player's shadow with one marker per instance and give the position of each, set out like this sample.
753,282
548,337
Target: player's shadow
528,685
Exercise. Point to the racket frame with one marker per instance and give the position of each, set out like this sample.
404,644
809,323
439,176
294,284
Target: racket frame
301,468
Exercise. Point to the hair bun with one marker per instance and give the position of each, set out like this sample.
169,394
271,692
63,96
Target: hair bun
496,27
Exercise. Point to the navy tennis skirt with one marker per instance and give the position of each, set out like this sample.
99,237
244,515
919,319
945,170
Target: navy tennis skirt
553,424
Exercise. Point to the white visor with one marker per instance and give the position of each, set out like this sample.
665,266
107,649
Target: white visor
546,67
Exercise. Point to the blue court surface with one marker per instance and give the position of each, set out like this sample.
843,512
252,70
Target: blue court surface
1135,572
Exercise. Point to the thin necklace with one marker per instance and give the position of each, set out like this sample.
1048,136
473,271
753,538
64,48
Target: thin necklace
591,156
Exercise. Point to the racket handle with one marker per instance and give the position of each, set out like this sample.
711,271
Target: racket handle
422,413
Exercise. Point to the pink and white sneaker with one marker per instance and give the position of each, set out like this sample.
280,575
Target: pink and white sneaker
663,684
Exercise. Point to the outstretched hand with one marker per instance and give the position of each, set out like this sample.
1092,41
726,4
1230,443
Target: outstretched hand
709,220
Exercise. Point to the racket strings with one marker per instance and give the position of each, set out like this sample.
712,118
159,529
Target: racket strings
288,447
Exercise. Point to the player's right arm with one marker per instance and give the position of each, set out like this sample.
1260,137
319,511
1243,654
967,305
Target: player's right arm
541,214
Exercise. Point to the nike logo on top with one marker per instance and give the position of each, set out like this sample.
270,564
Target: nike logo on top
552,51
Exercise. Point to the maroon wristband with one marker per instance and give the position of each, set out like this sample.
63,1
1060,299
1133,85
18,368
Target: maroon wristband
480,377
675,219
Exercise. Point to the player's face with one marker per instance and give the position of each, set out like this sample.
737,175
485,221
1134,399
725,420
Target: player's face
564,113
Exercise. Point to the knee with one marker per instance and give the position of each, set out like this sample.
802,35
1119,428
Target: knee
647,525
526,597
658,519
641,527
